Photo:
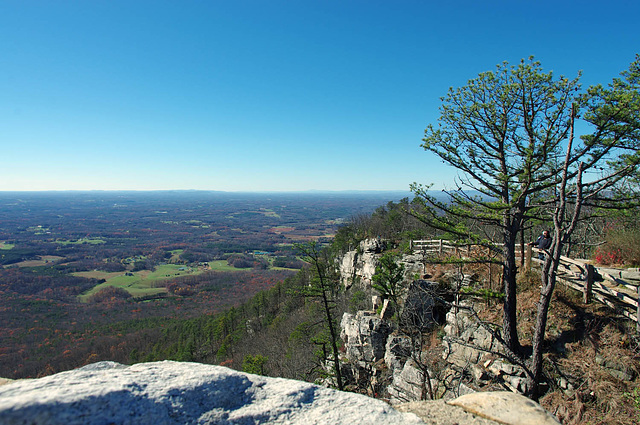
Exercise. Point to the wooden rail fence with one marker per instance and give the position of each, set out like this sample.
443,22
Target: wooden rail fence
593,283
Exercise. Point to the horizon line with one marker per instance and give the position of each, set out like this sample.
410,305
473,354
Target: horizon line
207,190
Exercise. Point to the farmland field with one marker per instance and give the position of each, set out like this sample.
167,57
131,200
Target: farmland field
140,283
40,261
90,241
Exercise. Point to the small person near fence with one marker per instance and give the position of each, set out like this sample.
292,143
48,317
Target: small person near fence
543,243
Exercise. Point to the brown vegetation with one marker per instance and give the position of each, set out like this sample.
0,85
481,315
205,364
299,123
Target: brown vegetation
592,356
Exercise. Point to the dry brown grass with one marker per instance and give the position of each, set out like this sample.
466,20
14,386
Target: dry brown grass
581,340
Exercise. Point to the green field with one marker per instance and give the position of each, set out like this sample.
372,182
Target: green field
40,261
222,266
90,241
5,245
269,213
146,282
175,255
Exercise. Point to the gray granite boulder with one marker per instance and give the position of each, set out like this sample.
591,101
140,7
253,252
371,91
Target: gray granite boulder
171,393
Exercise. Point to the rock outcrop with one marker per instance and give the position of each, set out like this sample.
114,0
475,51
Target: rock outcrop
472,347
470,350
358,266
365,336
371,348
191,393
183,393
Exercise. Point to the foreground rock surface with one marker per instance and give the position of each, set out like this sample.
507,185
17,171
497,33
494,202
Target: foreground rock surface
183,393
483,408
191,393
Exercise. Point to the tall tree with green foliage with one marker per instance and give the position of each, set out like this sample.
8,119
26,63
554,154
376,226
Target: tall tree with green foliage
389,278
590,175
510,134
324,285
500,131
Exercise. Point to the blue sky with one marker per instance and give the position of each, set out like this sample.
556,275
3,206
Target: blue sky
265,95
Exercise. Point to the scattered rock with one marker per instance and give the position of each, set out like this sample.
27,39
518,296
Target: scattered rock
616,369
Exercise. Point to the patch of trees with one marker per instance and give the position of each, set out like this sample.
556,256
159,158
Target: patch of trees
144,264
288,262
16,255
197,256
109,294
45,281
246,261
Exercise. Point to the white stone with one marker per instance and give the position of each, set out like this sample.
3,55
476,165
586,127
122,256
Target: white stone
183,393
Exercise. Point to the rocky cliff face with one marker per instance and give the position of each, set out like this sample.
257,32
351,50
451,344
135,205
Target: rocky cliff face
377,351
380,358
358,266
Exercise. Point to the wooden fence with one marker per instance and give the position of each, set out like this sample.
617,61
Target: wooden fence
439,246
593,283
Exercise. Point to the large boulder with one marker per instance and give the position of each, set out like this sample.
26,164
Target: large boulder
183,393
409,385
484,408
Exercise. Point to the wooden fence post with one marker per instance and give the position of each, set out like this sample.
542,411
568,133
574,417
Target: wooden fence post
490,269
588,284
440,247
638,313
528,254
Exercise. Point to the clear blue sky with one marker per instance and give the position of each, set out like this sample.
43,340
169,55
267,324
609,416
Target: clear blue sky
265,95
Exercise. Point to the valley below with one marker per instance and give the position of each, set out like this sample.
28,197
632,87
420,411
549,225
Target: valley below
88,276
